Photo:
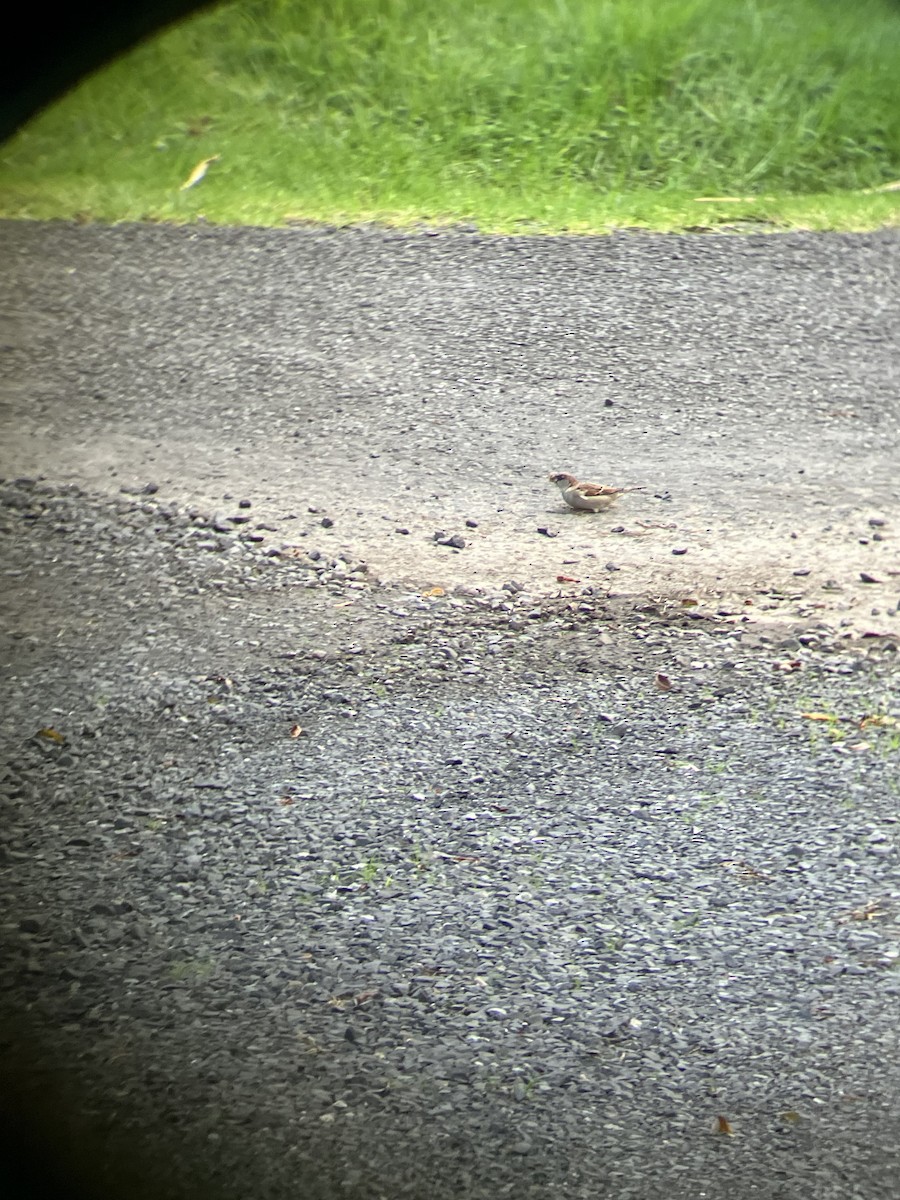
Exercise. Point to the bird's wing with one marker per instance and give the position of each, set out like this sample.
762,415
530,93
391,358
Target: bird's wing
597,489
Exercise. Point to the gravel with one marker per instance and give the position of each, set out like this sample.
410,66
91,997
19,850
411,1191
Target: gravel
373,826
318,886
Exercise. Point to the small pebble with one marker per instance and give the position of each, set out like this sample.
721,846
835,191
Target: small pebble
326,522
877,522
244,504
472,524
546,532
611,566
867,578
802,571
679,549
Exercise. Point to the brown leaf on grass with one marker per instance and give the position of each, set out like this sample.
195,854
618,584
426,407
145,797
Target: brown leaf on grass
52,735
198,172
723,1126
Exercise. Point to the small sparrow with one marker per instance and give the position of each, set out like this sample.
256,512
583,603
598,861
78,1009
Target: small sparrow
589,497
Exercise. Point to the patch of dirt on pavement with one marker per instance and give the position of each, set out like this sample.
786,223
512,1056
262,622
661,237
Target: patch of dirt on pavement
841,565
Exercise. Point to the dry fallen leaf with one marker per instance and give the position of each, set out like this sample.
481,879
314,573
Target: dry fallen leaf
745,871
567,579
869,912
297,731
52,735
434,591
792,664
663,682
198,172
879,719
820,716
723,1125
364,997
792,1117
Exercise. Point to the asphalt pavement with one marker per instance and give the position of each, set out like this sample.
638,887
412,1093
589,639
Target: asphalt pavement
374,825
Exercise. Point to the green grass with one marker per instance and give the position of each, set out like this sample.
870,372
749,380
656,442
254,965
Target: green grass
534,115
